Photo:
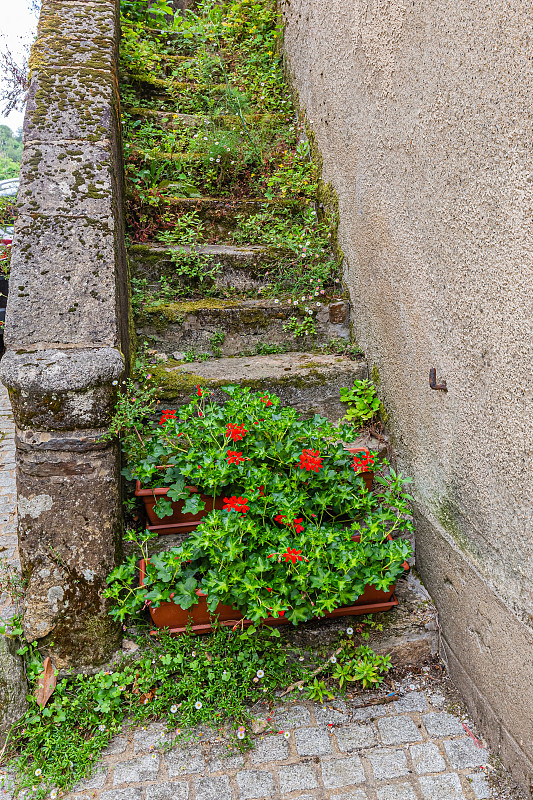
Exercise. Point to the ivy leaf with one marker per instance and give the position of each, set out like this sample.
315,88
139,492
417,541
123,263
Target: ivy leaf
163,508
177,490
193,505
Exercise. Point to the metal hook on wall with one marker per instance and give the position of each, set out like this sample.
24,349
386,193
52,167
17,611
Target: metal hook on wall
433,381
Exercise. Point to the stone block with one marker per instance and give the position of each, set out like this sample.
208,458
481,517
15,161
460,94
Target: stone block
355,794
312,741
116,747
122,794
397,791
334,713
137,770
75,35
222,758
427,758
354,737
150,739
388,763
271,748
480,786
70,179
63,279
464,753
412,701
13,685
254,784
291,717
398,730
57,109
442,724
297,777
95,781
338,772
212,788
441,787
185,760
170,790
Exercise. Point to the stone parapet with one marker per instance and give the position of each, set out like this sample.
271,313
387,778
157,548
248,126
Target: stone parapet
67,330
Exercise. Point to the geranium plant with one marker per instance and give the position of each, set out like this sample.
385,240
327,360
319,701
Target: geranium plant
294,500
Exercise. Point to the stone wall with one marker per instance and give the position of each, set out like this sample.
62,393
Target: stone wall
67,330
423,115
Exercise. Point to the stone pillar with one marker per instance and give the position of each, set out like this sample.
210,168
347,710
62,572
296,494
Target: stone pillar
67,331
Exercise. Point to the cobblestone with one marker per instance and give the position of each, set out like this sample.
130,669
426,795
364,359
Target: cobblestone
255,783
342,772
297,776
312,742
354,737
427,758
465,753
398,730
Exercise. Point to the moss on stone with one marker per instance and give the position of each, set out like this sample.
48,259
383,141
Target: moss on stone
375,375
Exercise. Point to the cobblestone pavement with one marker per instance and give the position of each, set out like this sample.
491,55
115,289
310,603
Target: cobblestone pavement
410,749
8,496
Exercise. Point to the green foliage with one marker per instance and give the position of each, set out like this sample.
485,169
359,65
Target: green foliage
303,326
10,152
184,681
363,402
293,501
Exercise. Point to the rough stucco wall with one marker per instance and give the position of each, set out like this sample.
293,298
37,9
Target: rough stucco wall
423,115
67,341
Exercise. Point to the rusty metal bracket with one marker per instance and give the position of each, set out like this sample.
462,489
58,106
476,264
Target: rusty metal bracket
433,381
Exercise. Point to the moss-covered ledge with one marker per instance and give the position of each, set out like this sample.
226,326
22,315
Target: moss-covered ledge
67,331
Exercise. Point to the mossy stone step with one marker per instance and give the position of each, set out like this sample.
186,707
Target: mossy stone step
156,87
241,268
308,382
169,119
232,327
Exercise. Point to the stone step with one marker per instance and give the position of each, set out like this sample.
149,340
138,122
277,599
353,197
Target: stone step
309,382
156,88
234,327
169,119
243,268
219,215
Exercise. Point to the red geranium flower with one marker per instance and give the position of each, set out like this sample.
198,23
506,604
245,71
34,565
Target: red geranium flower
279,519
266,400
363,460
295,525
167,413
292,555
310,460
235,432
234,457
198,390
236,504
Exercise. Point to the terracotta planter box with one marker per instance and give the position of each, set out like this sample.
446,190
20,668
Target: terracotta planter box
368,475
178,522
172,616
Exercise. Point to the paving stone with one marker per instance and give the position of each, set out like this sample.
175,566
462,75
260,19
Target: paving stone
373,712
185,761
271,748
463,753
427,758
442,724
297,776
413,701
222,758
333,713
397,791
291,717
96,781
254,783
150,739
136,770
342,772
116,746
177,790
214,788
313,742
353,737
441,787
479,785
356,794
388,763
122,794
398,730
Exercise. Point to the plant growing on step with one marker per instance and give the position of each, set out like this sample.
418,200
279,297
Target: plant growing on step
363,402
304,326
293,501
187,229
215,341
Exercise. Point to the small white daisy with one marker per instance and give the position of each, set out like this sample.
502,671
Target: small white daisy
241,734
333,660
287,735
38,772
349,631
300,688
115,383
53,794
198,705
260,673
101,727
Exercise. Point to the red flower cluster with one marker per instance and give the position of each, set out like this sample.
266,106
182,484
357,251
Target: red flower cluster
310,460
363,461
198,390
295,525
236,504
235,432
293,555
167,413
234,457
267,400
